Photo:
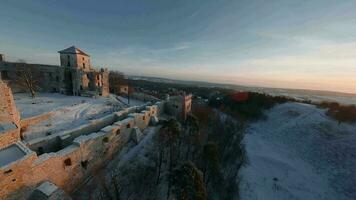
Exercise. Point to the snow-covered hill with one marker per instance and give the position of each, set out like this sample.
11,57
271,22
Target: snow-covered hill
299,153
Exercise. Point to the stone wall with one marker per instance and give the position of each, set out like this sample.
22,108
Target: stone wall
76,61
53,143
68,167
9,137
34,120
8,110
105,90
144,97
72,80
51,77
179,106
9,117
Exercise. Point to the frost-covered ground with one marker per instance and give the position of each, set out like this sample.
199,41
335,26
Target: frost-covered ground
133,102
299,153
129,163
46,102
68,111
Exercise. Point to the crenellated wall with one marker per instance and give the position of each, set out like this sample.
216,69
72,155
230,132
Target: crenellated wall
68,167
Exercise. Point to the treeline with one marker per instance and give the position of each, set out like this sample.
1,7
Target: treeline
251,106
166,88
202,156
246,105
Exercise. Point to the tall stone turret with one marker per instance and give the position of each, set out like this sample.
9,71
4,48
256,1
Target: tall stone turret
75,58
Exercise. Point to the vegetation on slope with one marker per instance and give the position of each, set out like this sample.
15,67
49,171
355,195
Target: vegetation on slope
342,113
246,105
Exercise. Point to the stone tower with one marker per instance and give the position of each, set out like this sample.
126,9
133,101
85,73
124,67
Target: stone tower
75,58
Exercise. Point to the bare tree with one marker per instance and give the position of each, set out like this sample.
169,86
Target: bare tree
116,79
27,77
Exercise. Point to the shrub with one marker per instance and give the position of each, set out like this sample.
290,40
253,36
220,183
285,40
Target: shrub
342,113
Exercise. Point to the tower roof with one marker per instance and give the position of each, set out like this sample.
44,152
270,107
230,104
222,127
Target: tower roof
73,50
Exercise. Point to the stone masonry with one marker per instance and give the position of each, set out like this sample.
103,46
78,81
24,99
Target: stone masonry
9,117
75,75
68,166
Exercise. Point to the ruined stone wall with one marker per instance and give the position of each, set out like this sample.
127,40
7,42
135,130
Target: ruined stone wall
83,62
50,77
143,97
53,143
68,167
9,117
9,137
179,106
174,106
75,61
77,79
105,90
68,60
8,110
16,176
34,120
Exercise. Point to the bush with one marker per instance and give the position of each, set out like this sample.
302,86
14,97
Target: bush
342,113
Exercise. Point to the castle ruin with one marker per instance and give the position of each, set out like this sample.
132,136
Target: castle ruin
74,76
65,158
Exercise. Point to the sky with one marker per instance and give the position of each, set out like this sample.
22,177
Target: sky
307,44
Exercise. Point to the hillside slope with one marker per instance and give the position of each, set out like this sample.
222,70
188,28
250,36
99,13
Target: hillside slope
299,153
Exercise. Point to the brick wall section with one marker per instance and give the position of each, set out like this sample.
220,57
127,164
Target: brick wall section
9,137
34,120
8,114
8,110
66,167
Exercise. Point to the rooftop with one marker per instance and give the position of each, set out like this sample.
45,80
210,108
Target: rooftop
73,50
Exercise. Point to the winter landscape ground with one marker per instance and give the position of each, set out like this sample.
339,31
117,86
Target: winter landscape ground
299,153
67,111
295,152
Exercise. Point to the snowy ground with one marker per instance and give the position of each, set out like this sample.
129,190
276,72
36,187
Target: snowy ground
299,153
46,102
133,102
68,111
315,96
128,161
